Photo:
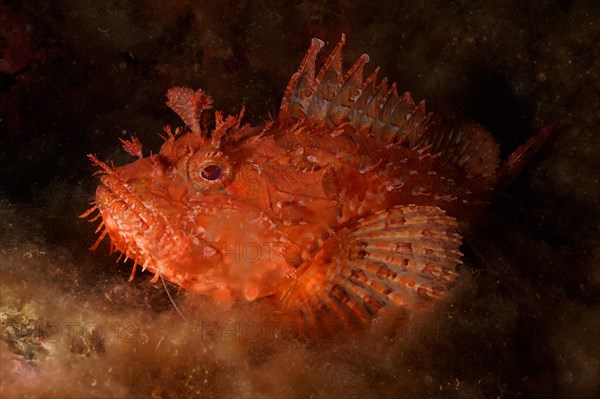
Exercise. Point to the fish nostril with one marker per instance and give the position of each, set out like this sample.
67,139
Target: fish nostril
209,250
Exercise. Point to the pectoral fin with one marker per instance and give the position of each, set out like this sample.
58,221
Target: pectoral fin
400,259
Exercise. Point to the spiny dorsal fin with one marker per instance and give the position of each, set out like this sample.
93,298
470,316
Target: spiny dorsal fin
461,143
395,260
342,98
301,88
376,108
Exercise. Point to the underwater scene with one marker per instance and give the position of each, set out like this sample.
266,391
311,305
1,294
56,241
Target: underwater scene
299,199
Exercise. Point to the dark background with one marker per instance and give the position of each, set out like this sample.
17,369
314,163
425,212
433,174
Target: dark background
77,75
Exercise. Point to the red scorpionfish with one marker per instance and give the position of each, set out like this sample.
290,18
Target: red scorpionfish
346,205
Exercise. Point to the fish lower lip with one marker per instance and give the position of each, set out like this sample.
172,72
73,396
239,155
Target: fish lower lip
111,202
119,190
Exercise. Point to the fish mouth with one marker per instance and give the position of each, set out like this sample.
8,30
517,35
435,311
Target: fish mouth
125,218
126,211
142,233
123,214
139,229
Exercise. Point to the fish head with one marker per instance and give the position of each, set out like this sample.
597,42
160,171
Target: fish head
196,214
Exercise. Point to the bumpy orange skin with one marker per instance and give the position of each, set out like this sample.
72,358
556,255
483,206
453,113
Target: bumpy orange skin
283,193
348,203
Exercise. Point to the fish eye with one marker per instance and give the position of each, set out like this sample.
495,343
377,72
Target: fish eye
211,172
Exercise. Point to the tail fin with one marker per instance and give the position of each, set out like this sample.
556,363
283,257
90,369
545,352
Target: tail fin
513,165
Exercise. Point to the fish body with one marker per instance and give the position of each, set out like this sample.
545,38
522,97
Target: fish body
347,204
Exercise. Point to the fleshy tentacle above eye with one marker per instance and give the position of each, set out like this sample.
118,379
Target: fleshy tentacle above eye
189,104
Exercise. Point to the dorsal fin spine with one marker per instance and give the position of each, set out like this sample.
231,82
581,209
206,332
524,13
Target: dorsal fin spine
378,109
306,70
